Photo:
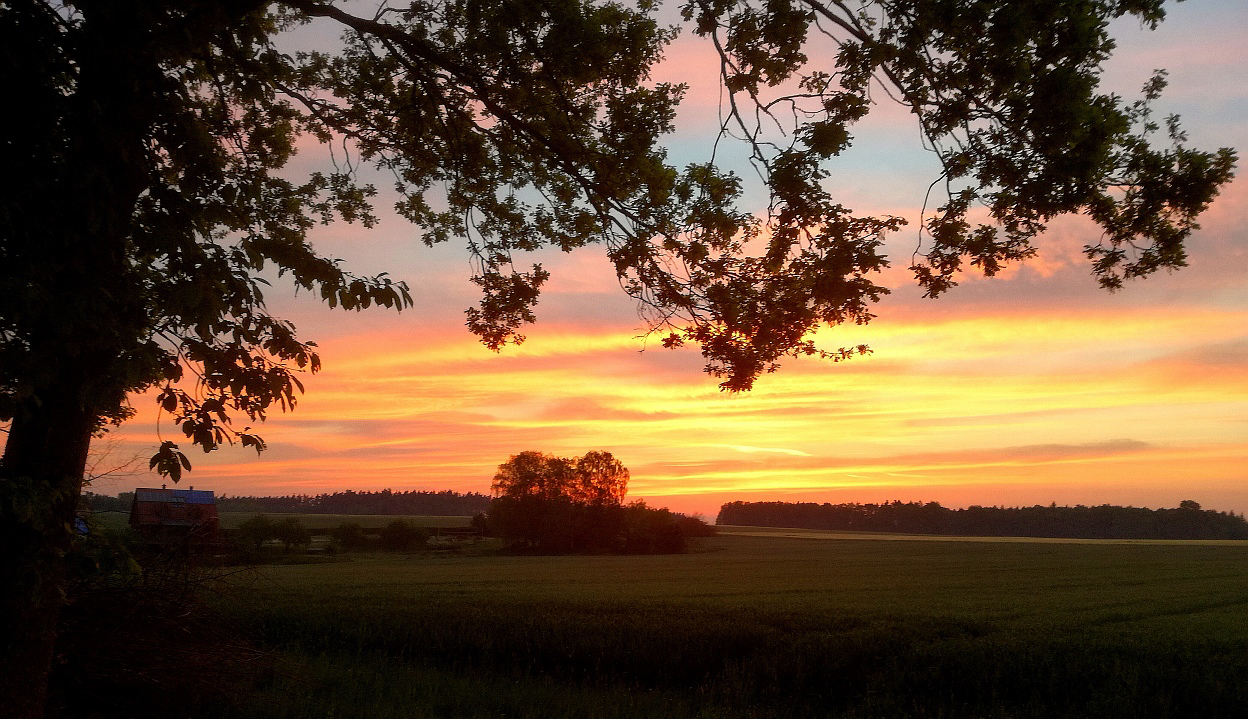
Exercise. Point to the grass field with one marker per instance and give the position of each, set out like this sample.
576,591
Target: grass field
762,626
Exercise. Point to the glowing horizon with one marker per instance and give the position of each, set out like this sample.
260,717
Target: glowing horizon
1027,388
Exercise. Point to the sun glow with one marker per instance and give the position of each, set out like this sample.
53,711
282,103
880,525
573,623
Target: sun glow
1030,387
1060,404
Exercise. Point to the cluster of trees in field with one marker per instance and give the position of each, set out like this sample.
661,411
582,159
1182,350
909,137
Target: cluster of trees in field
447,503
1188,521
254,532
560,526
550,504
398,535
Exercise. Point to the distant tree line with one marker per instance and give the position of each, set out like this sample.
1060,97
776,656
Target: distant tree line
107,503
1188,521
446,502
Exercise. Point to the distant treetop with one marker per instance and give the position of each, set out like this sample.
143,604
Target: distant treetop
1189,521
597,478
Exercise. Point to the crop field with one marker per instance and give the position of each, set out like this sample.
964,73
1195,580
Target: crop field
752,625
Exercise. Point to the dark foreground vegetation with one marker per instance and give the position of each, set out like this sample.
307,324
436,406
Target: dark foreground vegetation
1188,521
746,626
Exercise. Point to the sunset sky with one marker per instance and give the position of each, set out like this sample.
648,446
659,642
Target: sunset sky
1031,387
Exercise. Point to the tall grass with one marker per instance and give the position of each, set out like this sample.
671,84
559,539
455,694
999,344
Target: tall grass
766,627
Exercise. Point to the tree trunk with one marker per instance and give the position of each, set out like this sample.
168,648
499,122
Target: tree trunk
40,480
80,337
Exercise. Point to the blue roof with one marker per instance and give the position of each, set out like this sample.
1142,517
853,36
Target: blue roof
189,496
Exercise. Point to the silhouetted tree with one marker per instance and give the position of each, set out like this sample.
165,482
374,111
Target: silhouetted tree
291,533
597,478
350,535
651,531
257,530
254,532
401,536
551,504
694,526
555,504
534,474
148,189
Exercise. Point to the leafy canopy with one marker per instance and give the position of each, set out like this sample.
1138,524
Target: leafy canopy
151,187
596,479
1006,95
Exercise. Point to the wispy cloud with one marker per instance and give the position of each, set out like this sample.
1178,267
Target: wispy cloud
746,449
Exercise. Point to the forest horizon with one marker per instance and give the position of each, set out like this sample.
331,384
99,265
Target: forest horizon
918,516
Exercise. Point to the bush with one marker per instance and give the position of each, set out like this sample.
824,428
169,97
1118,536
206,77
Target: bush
694,526
651,531
291,533
561,526
255,531
399,536
259,529
350,536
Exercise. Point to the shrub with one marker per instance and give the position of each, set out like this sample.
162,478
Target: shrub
651,531
399,536
349,535
255,531
291,533
694,526
560,526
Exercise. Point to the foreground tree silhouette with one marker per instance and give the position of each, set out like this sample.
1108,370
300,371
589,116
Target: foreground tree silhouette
145,143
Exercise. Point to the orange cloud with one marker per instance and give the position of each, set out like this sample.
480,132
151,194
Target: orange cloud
1000,404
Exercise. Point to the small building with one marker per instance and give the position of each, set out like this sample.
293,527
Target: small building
181,515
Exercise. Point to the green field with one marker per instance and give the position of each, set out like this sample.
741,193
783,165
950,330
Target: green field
761,626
